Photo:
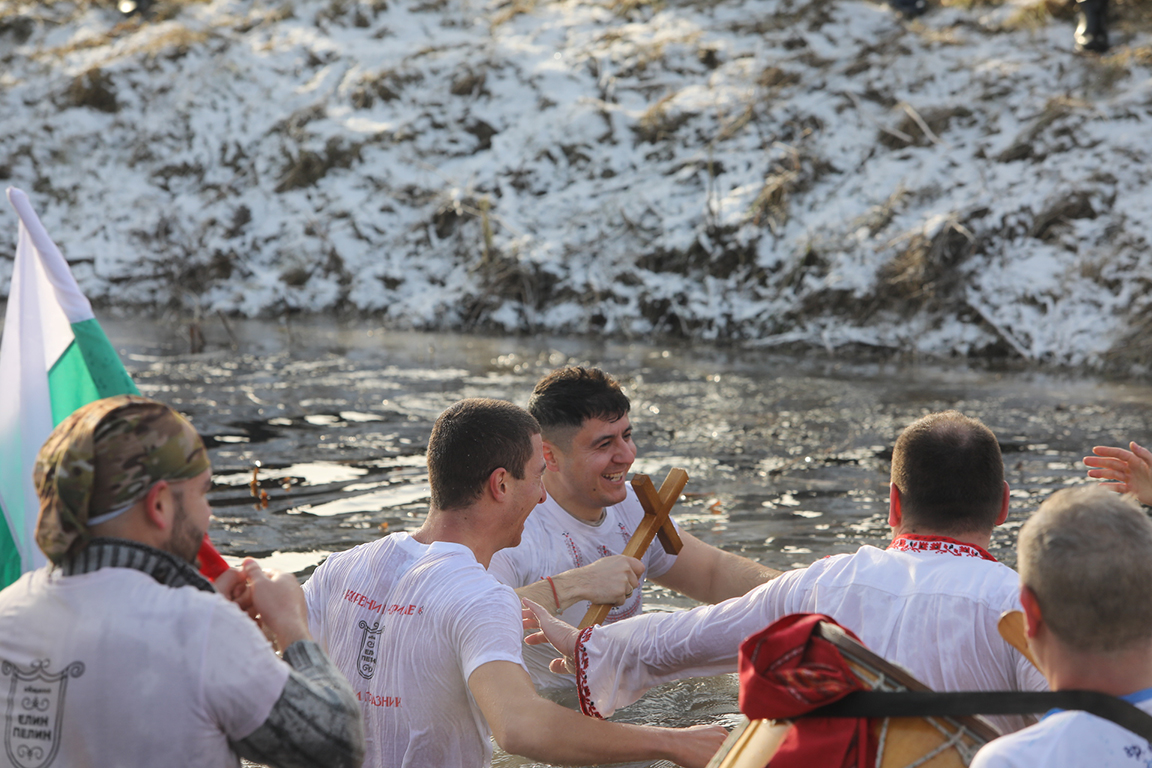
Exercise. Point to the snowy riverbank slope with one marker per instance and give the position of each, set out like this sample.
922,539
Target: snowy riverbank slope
773,172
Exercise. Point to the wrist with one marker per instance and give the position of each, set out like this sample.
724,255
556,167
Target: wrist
555,594
287,633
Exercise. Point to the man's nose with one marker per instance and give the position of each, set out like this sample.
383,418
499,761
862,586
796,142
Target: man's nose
625,452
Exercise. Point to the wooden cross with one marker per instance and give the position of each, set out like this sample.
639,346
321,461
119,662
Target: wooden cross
656,522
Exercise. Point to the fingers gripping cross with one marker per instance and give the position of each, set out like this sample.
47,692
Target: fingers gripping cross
656,522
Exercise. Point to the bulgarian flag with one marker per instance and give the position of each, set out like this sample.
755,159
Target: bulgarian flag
54,358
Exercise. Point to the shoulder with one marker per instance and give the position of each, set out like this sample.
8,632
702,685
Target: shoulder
1041,744
385,552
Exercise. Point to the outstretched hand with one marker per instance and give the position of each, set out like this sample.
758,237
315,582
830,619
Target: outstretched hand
558,632
1130,470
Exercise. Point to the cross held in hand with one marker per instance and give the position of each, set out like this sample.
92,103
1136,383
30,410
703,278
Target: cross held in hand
656,522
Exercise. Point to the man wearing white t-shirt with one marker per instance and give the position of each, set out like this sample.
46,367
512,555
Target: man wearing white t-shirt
436,661
119,653
929,602
570,551
1086,586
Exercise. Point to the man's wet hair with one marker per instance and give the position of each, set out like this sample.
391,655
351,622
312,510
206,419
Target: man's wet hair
471,440
950,474
567,397
1087,557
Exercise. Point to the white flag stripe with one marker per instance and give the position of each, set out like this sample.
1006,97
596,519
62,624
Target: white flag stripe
74,304
26,407
55,328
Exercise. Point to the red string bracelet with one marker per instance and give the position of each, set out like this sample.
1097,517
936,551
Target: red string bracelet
555,596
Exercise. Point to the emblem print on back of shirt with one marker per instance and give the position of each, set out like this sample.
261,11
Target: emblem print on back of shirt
35,711
369,649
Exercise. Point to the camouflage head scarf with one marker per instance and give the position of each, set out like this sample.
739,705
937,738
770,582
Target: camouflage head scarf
103,459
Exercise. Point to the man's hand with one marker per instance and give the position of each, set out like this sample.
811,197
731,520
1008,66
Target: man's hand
608,581
1131,470
695,746
233,585
552,630
277,604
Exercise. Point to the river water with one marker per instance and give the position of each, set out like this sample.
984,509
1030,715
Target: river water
787,455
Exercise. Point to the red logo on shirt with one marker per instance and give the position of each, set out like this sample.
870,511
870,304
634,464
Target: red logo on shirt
378,701
363,601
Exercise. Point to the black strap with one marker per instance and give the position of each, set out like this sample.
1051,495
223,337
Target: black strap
958,704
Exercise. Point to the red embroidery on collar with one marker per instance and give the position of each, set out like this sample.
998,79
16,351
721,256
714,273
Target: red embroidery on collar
909,542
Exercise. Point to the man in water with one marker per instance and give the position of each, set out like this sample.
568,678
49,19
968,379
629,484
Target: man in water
929,602
1086,586
120,653
570,551
433,642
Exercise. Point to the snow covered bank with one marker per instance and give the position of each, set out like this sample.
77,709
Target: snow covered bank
774,172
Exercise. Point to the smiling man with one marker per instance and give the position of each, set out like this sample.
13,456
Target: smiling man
432,643
570,552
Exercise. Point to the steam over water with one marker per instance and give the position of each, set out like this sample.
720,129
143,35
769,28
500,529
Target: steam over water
788,456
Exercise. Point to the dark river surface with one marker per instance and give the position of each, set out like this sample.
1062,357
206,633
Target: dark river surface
788,455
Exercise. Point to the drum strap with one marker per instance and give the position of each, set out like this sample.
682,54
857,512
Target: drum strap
939,704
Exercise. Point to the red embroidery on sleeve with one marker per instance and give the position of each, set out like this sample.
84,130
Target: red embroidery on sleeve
581,661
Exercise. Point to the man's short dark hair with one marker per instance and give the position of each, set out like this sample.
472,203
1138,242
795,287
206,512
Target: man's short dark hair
950,474
568,397
471,440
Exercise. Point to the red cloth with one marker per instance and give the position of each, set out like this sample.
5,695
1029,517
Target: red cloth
785,672
209,561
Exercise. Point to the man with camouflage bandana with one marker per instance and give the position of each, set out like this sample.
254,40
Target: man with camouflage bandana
120,653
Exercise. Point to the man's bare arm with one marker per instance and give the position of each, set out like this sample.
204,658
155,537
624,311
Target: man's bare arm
712,575
525,724
608,581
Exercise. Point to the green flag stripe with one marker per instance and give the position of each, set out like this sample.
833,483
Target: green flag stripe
69,384
104,366
9,556
88,370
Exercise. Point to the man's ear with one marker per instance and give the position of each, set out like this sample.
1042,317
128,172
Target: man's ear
1003,506
895,516
1033,618
159,506
551,454
498,483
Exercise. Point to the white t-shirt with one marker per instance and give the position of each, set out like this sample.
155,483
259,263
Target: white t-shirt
451,618
554,541
1071,740
348,601
111,668
932,611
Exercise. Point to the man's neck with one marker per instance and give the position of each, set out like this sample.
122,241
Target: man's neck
570,503
1118,673
456,527
976,538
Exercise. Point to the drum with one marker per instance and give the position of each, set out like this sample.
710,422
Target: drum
902,742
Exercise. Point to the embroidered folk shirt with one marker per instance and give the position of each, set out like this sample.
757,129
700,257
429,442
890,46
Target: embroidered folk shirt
554,541
928,604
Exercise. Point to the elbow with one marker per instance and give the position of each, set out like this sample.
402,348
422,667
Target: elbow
351,754
516,739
